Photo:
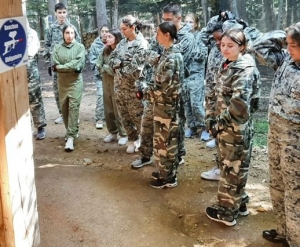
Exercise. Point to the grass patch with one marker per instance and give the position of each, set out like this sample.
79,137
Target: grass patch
260,131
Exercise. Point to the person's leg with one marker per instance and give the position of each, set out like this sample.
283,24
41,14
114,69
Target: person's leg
181,124
110,117
147,131
165,146
99,110
55,90
75,96
291,177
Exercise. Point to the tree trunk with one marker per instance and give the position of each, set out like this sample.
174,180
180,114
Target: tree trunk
51,11
279,15
225,5
115,19
204,10
269,15
234,8
101,13
242,11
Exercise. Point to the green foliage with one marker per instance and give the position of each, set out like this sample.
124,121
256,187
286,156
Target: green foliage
260,131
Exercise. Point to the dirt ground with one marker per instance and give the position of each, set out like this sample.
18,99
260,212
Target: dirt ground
92,198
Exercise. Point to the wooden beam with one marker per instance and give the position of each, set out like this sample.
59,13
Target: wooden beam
18,207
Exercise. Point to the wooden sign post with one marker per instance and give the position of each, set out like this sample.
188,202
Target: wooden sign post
18,205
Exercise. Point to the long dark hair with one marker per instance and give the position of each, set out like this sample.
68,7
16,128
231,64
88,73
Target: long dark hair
168,27
64,29
118,36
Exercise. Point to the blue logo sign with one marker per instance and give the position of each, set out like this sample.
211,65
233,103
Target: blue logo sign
13,43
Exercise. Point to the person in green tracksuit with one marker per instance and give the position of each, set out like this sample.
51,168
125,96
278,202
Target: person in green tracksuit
68,60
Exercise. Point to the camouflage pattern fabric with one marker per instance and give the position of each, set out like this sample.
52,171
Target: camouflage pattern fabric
284,129
70,60
36,102
53,37
193,86
165,98
128,69
96,48
185,43
234,103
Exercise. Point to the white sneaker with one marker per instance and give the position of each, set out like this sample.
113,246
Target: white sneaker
204,135
99,124
110,138
211,143
130,148
59,120
212,174
122,140
137,144
69,144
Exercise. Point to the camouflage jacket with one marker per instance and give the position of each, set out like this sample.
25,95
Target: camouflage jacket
69,58
214,61
95,49
285,92
53,37
124,60
168,76
237,94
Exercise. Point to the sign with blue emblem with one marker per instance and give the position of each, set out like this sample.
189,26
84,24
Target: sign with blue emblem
13,43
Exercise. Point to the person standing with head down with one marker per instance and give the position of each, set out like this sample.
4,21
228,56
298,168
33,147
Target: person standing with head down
284,130
237,94
68,61
165,96
127,71
113,121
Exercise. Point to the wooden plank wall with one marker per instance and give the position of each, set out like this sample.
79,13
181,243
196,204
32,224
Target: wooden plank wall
18,203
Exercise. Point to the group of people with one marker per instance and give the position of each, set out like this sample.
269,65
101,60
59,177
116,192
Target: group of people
148,90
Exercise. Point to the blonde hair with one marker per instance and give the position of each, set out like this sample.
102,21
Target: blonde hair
196,21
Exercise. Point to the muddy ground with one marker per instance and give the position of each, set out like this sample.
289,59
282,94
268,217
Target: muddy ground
92,198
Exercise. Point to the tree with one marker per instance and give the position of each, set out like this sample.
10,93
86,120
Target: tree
101,13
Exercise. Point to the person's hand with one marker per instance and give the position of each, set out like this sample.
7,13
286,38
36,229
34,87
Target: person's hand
54,69
50,71
214,130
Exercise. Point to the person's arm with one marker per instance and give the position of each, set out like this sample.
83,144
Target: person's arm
76,64
238,112
93,56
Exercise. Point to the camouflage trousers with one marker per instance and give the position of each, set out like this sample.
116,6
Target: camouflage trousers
181,126
130,109
99,110
36,102
55,90
147,130
112,118
70,93
165,141
193,99
284,165
234,160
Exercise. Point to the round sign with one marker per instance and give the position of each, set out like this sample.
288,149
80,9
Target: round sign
13,43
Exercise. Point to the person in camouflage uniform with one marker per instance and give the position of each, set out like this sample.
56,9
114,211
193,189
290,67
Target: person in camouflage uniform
194,83
185,43
96,47
127,72
165,95
53,37
237,93
147,131
284,130
34,84
68,60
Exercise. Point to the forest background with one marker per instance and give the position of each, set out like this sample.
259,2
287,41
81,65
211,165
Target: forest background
87,15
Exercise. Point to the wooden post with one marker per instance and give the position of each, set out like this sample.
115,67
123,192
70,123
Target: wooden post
18,205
